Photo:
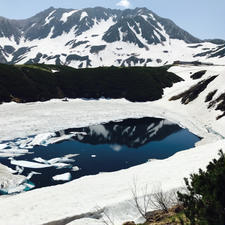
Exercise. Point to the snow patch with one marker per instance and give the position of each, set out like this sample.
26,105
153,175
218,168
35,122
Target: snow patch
49,18
55,71
83,15
66,15
31,174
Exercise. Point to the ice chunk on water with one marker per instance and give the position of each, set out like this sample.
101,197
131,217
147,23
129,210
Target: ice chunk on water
62,177
42,163
28,164
70,156
31,174
40,160
7,155
61,165
64,137
60,160
59,139
53,160
19,169
24,143
41,139
75,168
64,159
2,146
13,152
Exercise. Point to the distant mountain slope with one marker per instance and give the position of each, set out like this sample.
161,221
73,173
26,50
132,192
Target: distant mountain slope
95,37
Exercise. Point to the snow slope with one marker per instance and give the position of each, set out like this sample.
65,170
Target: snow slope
112,191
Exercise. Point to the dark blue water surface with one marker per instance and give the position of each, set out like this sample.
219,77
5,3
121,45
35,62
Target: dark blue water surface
110,147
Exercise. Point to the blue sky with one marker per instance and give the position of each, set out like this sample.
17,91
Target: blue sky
202,18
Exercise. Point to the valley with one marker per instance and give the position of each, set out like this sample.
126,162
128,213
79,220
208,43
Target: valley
95,101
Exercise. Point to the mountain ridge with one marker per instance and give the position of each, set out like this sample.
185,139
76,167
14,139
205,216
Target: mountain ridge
132,37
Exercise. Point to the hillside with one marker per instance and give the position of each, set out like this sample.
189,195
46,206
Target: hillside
26,83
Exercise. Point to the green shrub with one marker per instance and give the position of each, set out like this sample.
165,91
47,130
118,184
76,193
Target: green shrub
205,201
36,82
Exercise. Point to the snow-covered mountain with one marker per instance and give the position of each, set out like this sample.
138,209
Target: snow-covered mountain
95,37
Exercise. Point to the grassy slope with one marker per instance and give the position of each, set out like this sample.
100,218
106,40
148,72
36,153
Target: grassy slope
24,83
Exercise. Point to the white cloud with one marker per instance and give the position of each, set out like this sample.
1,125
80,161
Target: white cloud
124,3
116,147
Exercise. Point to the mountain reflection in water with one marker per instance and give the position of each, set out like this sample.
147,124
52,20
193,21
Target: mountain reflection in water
108,147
